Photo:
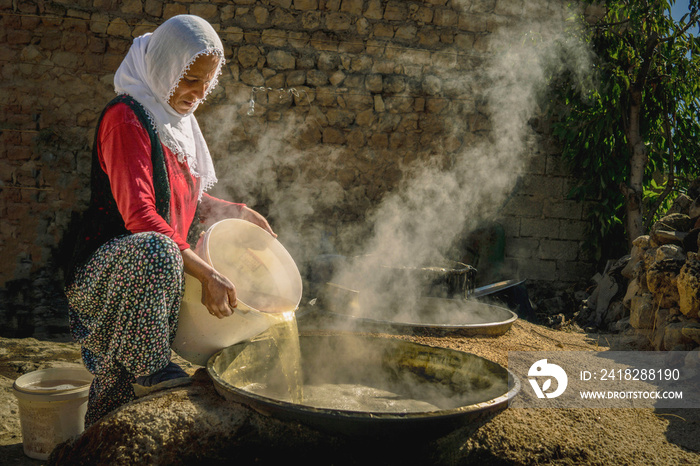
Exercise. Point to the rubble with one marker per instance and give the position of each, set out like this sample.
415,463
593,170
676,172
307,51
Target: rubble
655,290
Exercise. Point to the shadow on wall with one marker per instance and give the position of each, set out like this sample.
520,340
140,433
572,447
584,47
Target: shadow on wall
34,307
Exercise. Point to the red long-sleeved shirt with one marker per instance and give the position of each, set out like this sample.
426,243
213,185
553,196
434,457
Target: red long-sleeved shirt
124,150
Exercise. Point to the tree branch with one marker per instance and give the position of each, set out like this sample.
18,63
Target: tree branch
691,22
647,59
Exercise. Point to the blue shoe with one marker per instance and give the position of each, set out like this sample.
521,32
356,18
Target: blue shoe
170,376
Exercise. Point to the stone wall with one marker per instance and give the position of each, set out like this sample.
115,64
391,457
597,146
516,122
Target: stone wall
651,296
324,108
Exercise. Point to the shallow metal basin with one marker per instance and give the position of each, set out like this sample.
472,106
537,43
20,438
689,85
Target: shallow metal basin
465,389
434,316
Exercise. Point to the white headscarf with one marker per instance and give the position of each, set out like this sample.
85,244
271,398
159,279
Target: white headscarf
150,73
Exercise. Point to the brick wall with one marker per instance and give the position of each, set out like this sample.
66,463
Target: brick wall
349,96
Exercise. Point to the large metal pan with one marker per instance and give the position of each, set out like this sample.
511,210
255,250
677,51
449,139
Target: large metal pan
465,389
344,309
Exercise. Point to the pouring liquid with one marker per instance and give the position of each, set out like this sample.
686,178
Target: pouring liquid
285,334
280,370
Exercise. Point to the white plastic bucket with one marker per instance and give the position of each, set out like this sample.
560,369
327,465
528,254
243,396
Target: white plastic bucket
266,278
52,405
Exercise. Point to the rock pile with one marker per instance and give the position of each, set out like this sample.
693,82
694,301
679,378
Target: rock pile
655,290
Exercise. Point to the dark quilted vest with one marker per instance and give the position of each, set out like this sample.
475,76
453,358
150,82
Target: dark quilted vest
102,221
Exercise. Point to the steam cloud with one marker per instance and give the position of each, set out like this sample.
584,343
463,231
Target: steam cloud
416,223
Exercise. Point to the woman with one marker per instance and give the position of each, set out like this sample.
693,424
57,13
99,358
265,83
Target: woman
150,169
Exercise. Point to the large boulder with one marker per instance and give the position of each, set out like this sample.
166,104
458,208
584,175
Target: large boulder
642,311
688,283
632,267
692,331
675,339
681,205
671,228
661,281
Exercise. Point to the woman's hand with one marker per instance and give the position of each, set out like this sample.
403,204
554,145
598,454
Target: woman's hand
213,210
218,293
246,213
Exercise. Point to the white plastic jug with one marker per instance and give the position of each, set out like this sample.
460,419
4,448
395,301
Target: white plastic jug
266,279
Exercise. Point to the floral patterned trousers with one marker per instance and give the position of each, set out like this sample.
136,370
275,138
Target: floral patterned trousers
123,310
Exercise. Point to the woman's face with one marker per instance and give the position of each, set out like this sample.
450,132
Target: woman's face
194,83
